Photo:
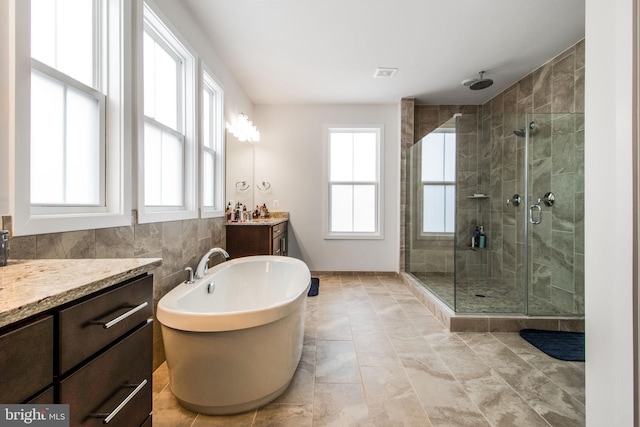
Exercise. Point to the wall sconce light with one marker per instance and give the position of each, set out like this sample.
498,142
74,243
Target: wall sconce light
244,129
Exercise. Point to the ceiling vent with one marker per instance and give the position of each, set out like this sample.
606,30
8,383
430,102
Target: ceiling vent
385,73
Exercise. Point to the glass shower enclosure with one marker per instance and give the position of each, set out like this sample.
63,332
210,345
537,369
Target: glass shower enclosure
495,214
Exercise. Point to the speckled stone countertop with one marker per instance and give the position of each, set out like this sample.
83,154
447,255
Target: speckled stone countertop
274,219
29,287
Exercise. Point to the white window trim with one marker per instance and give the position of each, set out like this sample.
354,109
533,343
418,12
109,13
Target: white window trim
26,219
379,233
189,210
220,182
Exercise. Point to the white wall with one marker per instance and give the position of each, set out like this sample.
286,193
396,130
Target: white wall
290,157
608,213
235,99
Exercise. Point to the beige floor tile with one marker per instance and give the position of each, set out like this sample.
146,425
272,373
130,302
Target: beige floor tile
240,420
167,412
284,415
340,405
391,398
336,362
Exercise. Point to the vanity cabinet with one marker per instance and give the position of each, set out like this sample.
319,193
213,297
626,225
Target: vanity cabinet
94,353
105,355
26,362
257,239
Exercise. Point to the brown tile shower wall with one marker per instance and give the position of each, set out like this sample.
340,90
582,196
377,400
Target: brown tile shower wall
557,160
487,163
178,243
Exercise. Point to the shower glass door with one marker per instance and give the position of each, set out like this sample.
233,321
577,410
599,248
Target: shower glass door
555,214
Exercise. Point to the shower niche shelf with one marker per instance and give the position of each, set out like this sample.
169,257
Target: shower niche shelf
478,196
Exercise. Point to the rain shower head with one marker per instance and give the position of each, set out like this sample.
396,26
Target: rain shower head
478,84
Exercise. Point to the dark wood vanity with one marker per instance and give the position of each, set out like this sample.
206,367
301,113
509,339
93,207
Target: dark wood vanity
93,352
264,237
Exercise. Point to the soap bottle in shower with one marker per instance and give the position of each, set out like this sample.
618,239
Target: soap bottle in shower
482,238
475,238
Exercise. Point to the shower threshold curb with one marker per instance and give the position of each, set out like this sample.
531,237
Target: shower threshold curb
456,322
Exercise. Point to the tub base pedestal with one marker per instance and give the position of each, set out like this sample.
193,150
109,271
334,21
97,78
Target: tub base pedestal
234,409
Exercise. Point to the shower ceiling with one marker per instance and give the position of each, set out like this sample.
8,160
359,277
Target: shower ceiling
325,51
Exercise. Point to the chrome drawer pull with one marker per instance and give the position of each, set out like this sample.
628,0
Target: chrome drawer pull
120,318
109,417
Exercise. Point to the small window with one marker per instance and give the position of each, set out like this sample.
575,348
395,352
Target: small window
212,148
353,191
168,143
439,182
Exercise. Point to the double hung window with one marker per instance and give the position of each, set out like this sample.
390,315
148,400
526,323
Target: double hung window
353,193
68,104
439,182
168,152
212,154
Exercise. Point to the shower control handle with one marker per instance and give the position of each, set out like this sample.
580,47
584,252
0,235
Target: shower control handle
549,199
515,200
535,208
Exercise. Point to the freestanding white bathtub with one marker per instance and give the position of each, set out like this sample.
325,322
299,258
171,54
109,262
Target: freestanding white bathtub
236,348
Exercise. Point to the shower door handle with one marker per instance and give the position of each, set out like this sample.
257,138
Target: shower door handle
532,209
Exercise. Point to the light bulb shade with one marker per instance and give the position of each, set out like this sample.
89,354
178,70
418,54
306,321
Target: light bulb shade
244,129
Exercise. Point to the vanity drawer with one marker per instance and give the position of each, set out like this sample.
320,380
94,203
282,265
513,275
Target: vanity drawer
26,360
87,327
279,229
110,379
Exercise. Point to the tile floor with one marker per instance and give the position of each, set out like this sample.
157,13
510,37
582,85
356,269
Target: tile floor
375,356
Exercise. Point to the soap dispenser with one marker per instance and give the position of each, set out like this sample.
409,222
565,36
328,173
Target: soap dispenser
482,238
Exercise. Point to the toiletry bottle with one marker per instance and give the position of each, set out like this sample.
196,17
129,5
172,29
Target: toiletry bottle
4,247
482,238
475,238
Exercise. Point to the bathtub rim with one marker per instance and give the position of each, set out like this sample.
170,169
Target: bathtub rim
171,315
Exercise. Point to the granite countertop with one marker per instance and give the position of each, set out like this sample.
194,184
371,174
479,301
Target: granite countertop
274,219
29,287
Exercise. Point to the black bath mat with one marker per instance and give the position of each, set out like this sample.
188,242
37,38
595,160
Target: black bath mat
559,344
315,287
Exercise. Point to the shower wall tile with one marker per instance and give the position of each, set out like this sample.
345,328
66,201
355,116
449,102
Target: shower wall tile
541,281
542,86
564,209
563,84
579,89
562,260
525,87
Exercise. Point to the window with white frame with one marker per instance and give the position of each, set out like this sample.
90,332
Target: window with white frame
67,104
168,148
439,182
70,152
212,148
353,191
